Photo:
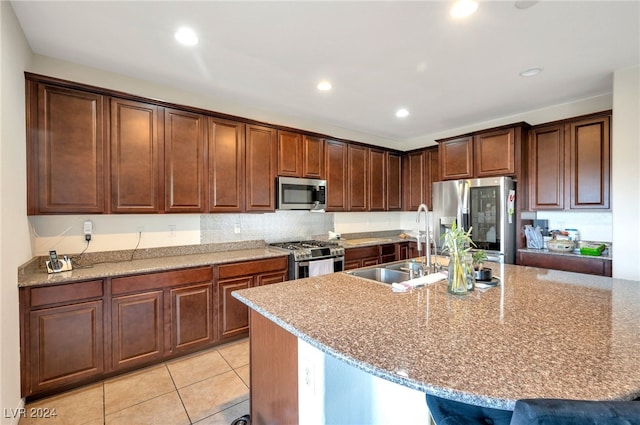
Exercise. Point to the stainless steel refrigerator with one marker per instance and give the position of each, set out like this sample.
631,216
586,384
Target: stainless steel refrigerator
487,205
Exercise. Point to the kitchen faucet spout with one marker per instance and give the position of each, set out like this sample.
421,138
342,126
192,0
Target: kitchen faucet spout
427,246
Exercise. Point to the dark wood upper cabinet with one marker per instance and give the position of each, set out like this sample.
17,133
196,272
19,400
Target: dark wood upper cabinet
358,171
494,153
300,155
394,181
185,148
336,166
136,155
456,158
67,150
260,172
377,180
414,172
289,154
313,157
226,166
569,164
589,163
546,167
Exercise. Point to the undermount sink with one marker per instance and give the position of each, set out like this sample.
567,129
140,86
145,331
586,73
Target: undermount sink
380,274
406,267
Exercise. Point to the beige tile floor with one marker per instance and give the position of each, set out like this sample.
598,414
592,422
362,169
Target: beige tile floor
206,388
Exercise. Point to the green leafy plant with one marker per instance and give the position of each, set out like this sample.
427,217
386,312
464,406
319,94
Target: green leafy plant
457,243
479,257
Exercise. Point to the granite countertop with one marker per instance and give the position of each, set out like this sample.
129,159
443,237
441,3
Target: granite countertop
120,264
540,333
604,256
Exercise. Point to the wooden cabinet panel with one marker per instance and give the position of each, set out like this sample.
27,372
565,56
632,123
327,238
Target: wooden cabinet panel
313,157
184,147
260,160
355,258
274,373
394,182
135,157
433,174
65,345
358,172
191,316
336,164
456,158
234,315
271,278
546,168
413,165
67,150
137,328
495,153
589,163
289,154
588,265
226,166
377,180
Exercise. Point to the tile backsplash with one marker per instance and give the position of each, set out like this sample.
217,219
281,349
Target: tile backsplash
593,226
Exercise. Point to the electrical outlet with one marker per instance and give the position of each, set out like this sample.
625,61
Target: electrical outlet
236,229
87,227
140,228
172,230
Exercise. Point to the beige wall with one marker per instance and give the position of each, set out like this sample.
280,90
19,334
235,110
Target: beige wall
625,173
14,233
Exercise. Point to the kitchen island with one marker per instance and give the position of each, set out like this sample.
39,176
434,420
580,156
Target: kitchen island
539,334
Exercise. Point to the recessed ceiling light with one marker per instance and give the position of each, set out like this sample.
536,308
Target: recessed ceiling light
525,4
463,8
402,113
324,86
186,36
531,72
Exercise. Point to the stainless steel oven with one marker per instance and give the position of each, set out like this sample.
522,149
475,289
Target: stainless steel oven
312,258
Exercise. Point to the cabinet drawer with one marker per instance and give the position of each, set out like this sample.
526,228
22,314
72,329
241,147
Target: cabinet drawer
247,268
358,253
145,282
65,293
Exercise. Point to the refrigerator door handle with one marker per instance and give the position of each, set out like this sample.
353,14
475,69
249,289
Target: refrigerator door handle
463,204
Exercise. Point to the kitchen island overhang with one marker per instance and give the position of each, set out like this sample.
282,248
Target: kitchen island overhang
539,334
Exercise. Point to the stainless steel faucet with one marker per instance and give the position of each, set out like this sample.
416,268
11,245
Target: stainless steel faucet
427,245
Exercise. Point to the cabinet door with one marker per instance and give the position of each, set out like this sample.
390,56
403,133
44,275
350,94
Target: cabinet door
495,153
456,158
377,180
394,182
589,163
289,154
137,328
546,168
234,315
433,174
336,163
191,316
66,158
260,180
66,344
358,172
184,148
312,157
135,156
414,180
226,171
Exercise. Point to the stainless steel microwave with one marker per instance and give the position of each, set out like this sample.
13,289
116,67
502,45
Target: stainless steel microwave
296,193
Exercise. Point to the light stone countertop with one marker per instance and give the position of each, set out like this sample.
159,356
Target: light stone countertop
540,333
33,276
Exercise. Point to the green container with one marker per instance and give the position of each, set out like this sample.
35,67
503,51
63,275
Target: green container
592,250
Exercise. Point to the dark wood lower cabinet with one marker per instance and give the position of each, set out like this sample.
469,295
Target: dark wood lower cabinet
76,333
589,265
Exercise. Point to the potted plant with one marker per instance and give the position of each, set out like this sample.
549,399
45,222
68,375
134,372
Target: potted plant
481,273
457,243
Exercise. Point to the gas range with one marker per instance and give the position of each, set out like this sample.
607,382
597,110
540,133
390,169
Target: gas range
310,250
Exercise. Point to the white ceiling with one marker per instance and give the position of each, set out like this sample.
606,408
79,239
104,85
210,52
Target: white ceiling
379,55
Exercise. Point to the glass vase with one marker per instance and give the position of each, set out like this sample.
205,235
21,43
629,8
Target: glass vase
457,276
